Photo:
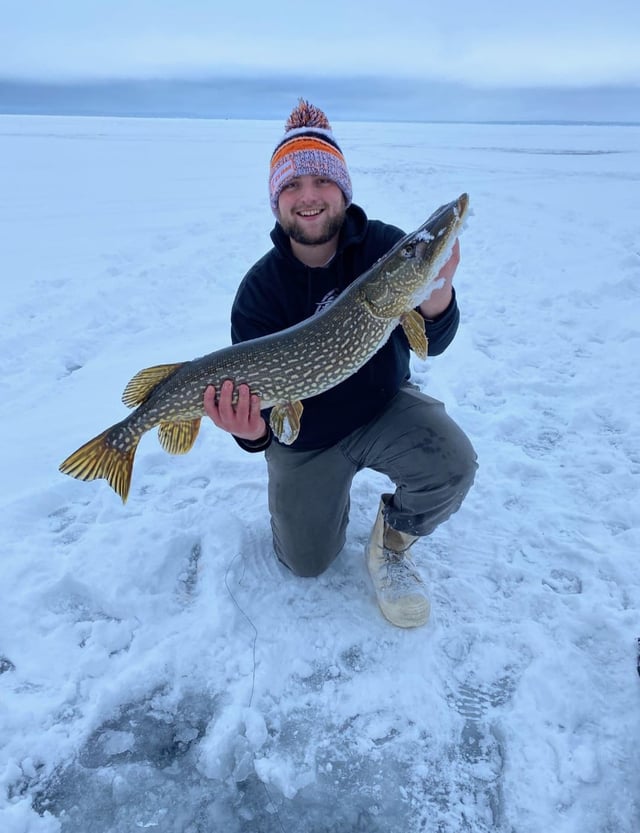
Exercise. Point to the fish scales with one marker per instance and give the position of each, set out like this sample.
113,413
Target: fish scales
285,367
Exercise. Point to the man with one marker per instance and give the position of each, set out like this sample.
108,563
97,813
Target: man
375,419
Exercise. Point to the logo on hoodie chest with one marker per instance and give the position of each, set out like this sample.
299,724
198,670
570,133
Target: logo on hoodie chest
326,301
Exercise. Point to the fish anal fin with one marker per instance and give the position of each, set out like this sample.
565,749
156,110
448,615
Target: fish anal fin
285,421
413,325
178,437
101,457
145,381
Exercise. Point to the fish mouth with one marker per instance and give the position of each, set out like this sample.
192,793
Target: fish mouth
439,232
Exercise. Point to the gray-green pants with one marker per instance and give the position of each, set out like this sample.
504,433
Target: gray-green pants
413,441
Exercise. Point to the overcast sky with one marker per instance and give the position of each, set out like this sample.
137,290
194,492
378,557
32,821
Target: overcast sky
490,42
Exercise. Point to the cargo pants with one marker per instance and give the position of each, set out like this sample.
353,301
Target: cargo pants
412,440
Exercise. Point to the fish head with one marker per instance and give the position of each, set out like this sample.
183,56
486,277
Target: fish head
409,272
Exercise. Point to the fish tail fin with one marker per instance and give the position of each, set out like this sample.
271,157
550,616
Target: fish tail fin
102,458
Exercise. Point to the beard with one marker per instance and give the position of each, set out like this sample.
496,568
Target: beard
330,227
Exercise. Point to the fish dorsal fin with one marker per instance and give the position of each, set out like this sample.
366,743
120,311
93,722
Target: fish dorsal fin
178,437
413,326
145,381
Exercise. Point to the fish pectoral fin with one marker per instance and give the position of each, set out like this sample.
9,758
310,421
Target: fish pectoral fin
178,437
285,421
413,326
145,381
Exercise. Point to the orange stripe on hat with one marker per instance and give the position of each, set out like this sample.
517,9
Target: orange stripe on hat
302,143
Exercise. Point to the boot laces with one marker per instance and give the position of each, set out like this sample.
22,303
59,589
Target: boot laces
398,570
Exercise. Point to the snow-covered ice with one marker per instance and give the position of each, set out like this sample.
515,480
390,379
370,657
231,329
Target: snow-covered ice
158,669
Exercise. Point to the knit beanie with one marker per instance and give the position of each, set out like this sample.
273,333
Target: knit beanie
307,147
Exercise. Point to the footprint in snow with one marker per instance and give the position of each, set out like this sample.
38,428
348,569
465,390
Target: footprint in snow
563,582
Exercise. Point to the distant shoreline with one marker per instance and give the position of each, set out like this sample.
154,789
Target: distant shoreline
344,100
363,120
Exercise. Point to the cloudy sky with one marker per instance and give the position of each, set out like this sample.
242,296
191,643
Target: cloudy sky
495,42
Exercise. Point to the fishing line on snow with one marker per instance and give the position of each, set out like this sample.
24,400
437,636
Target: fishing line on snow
253,673
251,624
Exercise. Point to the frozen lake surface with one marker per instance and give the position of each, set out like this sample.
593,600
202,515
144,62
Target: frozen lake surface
158,669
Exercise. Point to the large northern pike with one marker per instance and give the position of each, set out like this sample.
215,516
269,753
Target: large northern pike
283,368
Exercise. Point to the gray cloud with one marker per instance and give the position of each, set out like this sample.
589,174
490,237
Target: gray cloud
578,42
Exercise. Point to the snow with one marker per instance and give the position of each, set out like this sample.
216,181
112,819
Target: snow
159,670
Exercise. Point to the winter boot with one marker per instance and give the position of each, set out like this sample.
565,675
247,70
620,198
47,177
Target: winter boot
399,588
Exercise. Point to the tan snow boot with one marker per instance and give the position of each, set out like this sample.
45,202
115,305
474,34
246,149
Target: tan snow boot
399,588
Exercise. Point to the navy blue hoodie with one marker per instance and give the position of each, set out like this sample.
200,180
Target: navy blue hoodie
280,290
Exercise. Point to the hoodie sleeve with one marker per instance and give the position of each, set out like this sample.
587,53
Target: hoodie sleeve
442,329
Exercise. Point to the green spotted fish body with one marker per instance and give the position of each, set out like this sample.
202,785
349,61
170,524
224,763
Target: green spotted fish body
283,368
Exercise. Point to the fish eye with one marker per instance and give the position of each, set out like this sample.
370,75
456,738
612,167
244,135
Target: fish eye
408,250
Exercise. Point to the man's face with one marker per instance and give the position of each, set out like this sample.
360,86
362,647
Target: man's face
311,210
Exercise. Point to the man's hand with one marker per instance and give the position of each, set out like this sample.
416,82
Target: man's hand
243,419
440,299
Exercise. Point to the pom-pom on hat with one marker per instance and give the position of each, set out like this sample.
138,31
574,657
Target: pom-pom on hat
307,147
